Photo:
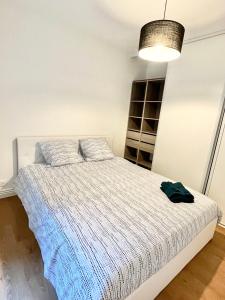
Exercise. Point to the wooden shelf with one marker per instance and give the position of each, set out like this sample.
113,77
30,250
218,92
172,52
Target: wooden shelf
132,143
145,158
148,138
155,90
136,109
138,90
134,123
149,148
152,119
150,126
147,132
144,114
131,129
131,153
145,163
152,110
134,135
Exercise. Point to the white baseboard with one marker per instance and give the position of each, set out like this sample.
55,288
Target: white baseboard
6,192
222,225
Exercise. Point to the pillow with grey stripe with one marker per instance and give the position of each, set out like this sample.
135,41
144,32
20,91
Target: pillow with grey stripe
94,149
61,152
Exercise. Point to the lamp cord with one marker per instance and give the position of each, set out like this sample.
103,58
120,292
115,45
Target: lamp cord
164,14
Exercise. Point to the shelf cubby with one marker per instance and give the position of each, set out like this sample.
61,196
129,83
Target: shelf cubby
138,91
145,159
152,110
150,126
131,153
155,90
136,109
134,123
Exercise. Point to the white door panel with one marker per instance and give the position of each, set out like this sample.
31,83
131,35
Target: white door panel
216,189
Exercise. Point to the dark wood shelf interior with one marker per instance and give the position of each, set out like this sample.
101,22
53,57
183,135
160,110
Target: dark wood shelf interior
152,110
134,123
136,109
155,90
138,90
131,153
145,159
150,126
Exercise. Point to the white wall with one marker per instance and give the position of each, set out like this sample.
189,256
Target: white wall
192,103
56,79
156,70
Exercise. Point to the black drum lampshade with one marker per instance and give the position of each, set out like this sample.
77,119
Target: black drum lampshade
161,40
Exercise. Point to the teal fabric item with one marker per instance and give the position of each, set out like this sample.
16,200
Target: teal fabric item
176,192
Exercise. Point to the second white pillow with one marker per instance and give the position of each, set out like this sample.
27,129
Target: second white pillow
94,149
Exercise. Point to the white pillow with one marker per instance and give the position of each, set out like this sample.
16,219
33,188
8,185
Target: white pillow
94,149
61,152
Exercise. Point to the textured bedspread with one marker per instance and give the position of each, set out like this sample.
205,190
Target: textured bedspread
105,227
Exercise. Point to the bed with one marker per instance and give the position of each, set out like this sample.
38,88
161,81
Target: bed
105,229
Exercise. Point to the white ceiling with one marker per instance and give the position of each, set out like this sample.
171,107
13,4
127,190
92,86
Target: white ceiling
199,17
119,21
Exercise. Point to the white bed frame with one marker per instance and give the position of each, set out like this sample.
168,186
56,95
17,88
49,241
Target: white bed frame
28,153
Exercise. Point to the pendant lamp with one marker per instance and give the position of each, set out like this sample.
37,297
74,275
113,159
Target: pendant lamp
161,40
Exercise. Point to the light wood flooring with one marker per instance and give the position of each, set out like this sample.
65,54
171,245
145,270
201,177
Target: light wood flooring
21,267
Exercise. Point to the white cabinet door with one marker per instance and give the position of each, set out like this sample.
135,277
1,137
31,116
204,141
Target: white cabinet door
216,187
191,105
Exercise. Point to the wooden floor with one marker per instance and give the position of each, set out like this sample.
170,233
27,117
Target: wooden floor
21,267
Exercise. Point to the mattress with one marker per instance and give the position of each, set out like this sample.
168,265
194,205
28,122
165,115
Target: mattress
105,227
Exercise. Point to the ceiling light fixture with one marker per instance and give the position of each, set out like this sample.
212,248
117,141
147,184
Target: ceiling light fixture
161,40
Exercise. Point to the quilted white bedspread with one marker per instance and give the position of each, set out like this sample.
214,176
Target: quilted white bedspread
105,227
